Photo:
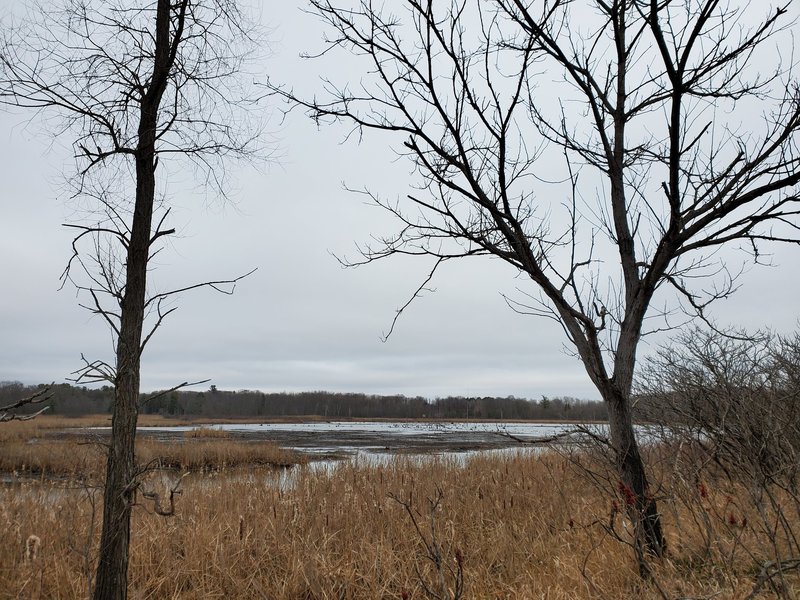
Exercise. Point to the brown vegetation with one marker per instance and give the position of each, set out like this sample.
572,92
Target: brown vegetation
48,423
521,526
206,431
36,448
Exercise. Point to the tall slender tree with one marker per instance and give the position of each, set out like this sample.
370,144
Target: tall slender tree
606,149
135,82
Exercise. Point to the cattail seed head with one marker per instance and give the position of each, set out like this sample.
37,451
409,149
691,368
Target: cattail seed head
32,547
627,493
703,490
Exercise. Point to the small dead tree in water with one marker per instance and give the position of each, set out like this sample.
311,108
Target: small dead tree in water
136,83
606,150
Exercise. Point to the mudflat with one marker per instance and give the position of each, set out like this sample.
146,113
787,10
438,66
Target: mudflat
335,437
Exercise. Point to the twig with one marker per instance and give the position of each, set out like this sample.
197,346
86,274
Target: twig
156,498
7,415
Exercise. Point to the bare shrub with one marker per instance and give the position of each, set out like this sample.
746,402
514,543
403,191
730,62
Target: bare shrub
727,406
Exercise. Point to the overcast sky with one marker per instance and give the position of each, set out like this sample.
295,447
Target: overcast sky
301,322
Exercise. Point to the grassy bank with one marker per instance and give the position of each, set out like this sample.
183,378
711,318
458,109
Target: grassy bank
517,527
36,449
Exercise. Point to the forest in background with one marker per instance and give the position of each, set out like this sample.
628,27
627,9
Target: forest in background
73,401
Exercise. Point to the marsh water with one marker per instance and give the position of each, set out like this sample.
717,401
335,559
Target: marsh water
380,439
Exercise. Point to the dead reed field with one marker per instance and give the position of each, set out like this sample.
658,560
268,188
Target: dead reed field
516,526
32,449
47,422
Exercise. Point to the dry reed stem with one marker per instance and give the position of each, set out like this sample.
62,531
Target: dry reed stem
84,457
206,431
527,527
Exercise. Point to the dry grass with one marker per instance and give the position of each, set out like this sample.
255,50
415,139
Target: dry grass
29,450
215,454
336,535
526,526
47,423
206,431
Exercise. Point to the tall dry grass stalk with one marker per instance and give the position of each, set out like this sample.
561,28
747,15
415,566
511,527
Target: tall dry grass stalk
45,424
82,457
523,526
206,431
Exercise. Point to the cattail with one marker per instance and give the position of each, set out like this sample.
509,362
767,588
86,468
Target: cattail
32,548
627,492
703,490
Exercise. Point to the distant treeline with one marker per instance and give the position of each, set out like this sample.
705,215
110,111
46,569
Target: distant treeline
72,400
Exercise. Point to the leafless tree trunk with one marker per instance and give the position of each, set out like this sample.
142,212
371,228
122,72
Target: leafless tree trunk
136,82
643,101
120,488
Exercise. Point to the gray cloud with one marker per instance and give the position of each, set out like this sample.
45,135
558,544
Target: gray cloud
300,322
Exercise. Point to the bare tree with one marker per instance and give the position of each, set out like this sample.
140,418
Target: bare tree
134,83
606,149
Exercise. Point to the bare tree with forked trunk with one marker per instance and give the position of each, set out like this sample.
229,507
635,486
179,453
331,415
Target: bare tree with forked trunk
608,150
133,83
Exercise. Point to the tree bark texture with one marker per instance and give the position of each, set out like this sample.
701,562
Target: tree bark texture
633,485
112,571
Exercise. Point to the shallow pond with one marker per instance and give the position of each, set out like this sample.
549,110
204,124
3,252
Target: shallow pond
383,440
